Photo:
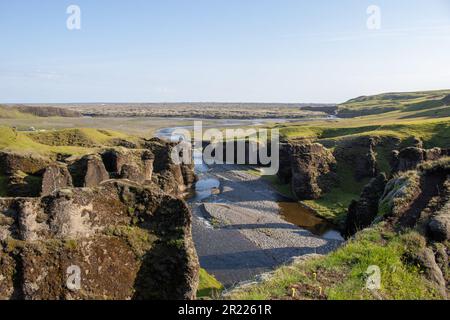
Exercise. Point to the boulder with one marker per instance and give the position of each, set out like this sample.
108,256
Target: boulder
439,227
425,259
313,170
123,240
362,213
89,171
56,176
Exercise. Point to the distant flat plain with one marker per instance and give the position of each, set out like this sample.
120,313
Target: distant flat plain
145,119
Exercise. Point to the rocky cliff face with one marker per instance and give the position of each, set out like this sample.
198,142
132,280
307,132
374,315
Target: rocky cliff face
409,158
309,167
362,213
171,177
359,154
116,235
313,168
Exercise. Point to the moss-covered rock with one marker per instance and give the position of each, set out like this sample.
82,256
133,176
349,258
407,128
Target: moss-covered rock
399,193
122,253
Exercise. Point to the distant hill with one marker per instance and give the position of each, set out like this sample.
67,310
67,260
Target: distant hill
430,102
48,111
24,111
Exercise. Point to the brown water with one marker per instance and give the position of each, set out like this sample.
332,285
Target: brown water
305,218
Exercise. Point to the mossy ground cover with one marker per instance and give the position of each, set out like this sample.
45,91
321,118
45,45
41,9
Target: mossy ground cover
342,275
209,286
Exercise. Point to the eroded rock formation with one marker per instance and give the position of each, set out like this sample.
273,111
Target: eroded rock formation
126,240
101,215
313,168
171,177
359,154
56,176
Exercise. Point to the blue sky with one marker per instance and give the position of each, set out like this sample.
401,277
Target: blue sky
220,50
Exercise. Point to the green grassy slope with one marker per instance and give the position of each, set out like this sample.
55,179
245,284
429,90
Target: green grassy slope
403,101
69,141
209,286
342,274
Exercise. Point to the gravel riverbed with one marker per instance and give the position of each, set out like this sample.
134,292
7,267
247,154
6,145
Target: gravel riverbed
239,232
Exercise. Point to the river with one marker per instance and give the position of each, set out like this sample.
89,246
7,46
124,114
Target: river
243,227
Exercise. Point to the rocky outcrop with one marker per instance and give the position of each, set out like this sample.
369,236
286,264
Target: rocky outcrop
56,176
399,194
359,153
425,259
173,178
132,172
313,170
240,152
362,213
135,165
88,171
29,163
410,158
115,241
114,160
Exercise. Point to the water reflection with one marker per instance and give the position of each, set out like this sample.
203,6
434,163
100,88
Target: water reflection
204,188
304,218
